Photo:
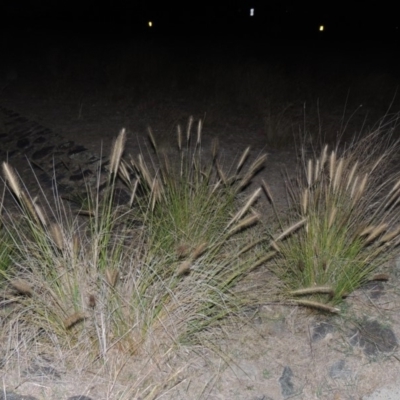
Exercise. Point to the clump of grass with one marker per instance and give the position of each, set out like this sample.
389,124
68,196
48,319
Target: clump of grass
140,277
193,231
187,199
348,225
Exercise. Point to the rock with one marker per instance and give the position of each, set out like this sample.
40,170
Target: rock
320,330
373,338
338,370
287,387
42,371
14,396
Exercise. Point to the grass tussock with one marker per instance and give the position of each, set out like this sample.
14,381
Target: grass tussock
348,227
147,275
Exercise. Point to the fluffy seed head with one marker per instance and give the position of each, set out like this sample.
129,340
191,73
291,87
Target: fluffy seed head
12,179
117,150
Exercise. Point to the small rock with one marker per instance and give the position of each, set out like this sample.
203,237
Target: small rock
338,370
320,330
42,371
42,152
373,337
14,396
375,289
287,387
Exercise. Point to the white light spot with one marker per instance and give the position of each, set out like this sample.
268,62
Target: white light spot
150,24
251,12
321,28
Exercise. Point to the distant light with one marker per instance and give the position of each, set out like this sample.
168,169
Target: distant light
321,28
150,24
251,12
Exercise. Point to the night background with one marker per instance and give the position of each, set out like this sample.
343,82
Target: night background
246,64
290,19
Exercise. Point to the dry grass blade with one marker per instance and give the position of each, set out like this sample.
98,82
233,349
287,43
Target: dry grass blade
245,208
124,174
254,168
144,171
133,192
152,140
316,305
249,221
290,230
221,173
257,164
313,290
267,191
275,246
264,259
29,207
243,159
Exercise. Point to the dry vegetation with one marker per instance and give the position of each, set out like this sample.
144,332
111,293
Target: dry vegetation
132,291
157,275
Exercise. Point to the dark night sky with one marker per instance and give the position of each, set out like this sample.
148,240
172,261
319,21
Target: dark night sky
371,17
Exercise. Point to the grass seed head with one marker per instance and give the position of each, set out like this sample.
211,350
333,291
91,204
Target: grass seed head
117,150
111,276
199,250
73,319
184,267
243,159
92,301
189,128
57,236
313,290
317,305
332,165
12,179
22,287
